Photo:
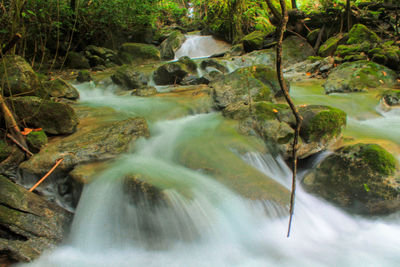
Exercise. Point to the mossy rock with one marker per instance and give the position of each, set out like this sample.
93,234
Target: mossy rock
5,150
359,33
36,140
296,49
362,178
128,78
312,36
191,66
138,53
29,224
259,81
77,60
359,76
329,47
84,76
17,76
170,73
52,117
321,122
253,41
346,50
391,97
387,55
57,88
211,64
170,45
351,58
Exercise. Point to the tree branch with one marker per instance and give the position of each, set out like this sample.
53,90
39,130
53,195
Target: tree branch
285,91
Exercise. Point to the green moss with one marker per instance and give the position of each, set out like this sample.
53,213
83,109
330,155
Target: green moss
190,64
329,47
253,41
139,53
268,111
379,58
327,123
345,50
36,139
360,33
378,159
5,150
314,58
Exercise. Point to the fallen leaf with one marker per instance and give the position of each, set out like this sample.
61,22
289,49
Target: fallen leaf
26,131
302,106
308,73
384,73
275,110
37,129
381,81
358,77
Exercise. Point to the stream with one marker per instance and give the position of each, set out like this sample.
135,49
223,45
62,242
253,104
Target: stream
209,220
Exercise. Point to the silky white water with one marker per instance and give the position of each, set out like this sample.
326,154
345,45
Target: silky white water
203,223
196,46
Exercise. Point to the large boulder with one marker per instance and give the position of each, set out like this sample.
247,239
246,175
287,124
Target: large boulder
391,97
128,78
77,60
138,53
359,76
170,45
28,224
52,117
359,33
57,88
362,178
231,91
99,137
296,49
170,73
17,76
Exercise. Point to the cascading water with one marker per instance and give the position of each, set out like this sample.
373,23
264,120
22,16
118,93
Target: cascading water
197,46
202,223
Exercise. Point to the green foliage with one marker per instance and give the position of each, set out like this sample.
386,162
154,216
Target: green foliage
327,123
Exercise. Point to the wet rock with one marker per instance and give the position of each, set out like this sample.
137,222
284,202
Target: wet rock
126,77
17,76
312,36
194,80
170,45
170,73
391,97
145,91
95,61
296,49
138,53
57,88
190,65
5,150
28,224
9,164
236,50
260,81
253,41
77,61
362,178
52,117
210,64
359,76
84,76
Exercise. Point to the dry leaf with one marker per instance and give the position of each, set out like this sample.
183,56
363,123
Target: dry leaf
381,81
384,73
308,73
26,131
275,110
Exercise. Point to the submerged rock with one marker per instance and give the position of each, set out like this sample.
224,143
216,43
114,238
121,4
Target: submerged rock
138,53
53,117
391,97
363,178
170,45
145,91
17,76
359,76
28,224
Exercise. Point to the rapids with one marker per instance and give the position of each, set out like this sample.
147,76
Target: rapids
206,223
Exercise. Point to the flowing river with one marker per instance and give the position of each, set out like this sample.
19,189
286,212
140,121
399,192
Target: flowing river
206,222
210,220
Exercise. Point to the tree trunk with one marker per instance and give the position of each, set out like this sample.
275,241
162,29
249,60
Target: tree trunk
294,4
299,119
348,12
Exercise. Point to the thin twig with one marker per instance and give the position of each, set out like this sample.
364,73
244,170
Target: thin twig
20,145
295,112
58,162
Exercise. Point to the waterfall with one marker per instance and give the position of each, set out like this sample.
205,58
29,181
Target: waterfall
197,46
